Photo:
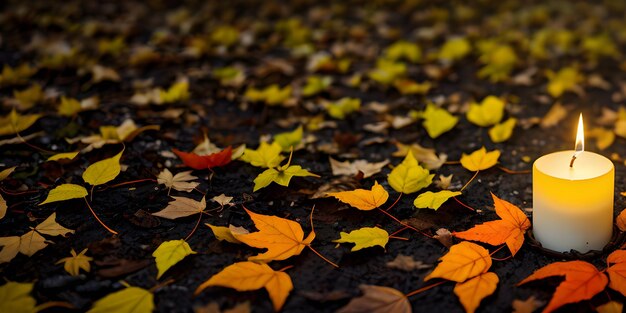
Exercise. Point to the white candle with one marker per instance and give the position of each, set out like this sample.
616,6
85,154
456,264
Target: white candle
573,205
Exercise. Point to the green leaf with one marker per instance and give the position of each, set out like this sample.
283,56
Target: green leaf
129,300
281,176
437,120
503,131
287,140
316,84
487,113
365,237
16,298
409,177
103,171
65,192
170,253
265,155
433,200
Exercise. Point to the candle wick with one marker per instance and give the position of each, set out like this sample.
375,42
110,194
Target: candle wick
571,163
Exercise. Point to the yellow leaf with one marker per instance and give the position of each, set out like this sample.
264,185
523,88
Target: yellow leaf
556,113
281,176
365,237
179,91
50,227
31,242
170,253
454,49
15,122
464,260
604,137
247,276
288,140
503,131
487,113
65,192
103,171
408,177
271,95
16,298
76,262
316,84
28,97
474,290
128,300
342,107
64,155
181,207
281,237
403,50
363,199
566,79
266,155
433,200
378,299
411,87
69,107
16,75
3,207
480,159
499,61
6,172
437,120
387,71
223,233
10,248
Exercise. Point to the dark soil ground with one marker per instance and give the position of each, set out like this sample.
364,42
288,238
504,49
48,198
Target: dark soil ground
318,287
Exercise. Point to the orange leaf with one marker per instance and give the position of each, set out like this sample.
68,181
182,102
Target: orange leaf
464,260
281,237
363,199
582,282
620,220
510,229
474,290
201,162
245,276
617,271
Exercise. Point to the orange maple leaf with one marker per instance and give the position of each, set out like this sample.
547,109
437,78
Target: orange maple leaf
474,290
464,260
617,271
582,282
281,237
510,229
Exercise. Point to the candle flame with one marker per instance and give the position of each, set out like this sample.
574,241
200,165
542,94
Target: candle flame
580,137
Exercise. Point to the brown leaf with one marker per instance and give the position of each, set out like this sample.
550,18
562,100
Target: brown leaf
444,236
120,267
334,295
378,299
353,168
143,219
181,207
526,306
407,263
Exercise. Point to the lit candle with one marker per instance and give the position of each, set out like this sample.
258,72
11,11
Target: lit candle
573,199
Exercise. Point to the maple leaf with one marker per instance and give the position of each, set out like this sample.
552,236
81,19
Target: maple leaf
182,207
408,177
503,131
103,171
128,300
181,181
246,276
76,262
433,200
617,270
426,156
290,140
437,120
281,237
582,282
15,297
223,200
365,237
169,253
363,199
474,290
353,168
464,260
266,155
15,122
378,299
407,263
480,159
281,175
201,162
487,113
510,229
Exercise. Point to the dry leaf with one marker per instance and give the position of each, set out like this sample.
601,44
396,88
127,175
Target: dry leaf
352,168
363,199
181,207
223,200
556,113
444,236
610,307
407,263
474,290
464,260
527,306
378,299
181,181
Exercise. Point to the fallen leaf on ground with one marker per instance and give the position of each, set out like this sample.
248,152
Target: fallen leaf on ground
502,132
480,159
407,263
181,207
246,276
526,306
352,168
266,155
487,113
363,199
223,200
213,307
181,181
364,238
128,300
474,290
620,220
65,192
202,162
223,233
76,262
617,270
464,260
281,175
14,122
378,299
437,120
433,200
408,177
15,297
169,253
103,171
610,307
444,236
555,115
426,156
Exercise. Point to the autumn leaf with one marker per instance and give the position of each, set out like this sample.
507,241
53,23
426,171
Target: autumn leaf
403,50
437,120
556,113
474,290
617,270
76,262
223,233
51,227
527,306
566,79
316,84
182,207
356,166
7,172
128,300
15,122
3,207
281,237
365,237
343,107
510,229
16,298
433,200
610,307
281,175
464,260
454,49
271,95
103,171
503,131
407,263
10,248
289,140
387,71
246,276
487,113
408,177
378,299
266,155
363,199
425,156
480,159
65,192
169,253
201,162
181,181
64,155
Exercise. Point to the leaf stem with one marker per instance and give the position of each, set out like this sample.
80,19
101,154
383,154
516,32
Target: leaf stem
285,268
403,224
399,238
494,251
399,231
323,258
395,202
98,219
195,227
452,162
463,204
161,285
510,171
130,182
469,181
414,292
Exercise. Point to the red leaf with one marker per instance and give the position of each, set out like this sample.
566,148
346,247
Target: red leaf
200,162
